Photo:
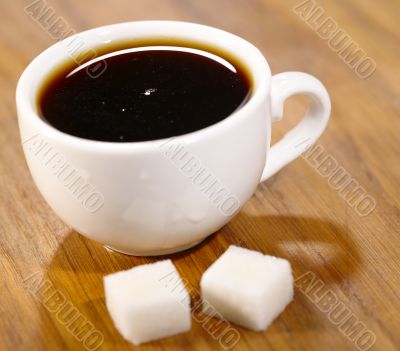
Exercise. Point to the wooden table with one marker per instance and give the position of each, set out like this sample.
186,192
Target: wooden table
297,215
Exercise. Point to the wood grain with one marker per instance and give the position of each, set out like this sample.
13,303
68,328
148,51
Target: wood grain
296,215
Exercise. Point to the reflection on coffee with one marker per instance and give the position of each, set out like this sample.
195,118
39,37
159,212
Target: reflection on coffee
144,94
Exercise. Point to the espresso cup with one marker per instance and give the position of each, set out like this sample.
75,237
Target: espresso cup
162,196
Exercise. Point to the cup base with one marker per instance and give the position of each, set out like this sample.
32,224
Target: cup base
155,252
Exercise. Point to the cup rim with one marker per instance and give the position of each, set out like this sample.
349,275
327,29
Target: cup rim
39,68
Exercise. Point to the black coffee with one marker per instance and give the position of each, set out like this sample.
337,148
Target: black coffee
144,95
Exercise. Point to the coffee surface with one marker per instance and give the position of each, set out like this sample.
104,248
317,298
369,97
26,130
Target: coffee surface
144,95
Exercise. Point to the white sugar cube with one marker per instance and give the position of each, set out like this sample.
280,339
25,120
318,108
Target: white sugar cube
247,287
148,302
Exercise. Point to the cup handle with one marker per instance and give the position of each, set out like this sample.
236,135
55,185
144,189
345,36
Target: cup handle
308,130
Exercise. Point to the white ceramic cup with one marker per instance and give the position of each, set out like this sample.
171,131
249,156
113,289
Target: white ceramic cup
163,196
